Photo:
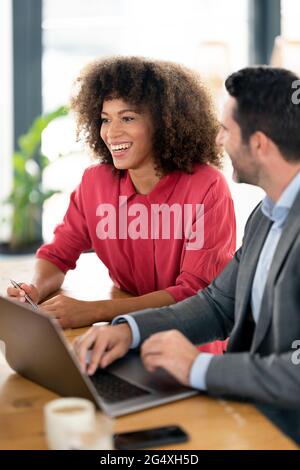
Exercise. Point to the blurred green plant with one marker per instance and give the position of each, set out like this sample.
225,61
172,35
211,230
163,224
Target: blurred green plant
27,196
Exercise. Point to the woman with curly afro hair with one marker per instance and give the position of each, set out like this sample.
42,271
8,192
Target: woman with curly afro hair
154,206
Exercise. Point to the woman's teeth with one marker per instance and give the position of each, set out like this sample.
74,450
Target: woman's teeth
115,148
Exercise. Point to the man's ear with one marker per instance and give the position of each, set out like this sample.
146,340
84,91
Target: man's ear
259,144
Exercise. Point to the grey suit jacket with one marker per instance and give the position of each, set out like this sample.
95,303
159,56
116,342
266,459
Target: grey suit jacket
258,365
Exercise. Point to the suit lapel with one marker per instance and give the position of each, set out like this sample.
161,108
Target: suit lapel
289,233
248,266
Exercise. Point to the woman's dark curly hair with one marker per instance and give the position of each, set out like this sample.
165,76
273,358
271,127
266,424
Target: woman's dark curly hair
185,125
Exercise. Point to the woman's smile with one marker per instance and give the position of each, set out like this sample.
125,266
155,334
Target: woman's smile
120,149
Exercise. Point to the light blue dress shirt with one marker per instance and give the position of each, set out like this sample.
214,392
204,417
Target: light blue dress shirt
277,213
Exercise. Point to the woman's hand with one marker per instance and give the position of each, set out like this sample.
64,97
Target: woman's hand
72,313
107,343
19,294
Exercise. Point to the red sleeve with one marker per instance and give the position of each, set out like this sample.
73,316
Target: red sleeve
71,237
199,267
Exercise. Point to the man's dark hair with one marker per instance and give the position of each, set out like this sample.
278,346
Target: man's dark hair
264,103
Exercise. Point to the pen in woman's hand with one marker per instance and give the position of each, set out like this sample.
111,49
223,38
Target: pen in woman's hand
17,286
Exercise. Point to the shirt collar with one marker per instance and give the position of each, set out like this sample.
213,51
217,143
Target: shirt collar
126,185
161,192
278,212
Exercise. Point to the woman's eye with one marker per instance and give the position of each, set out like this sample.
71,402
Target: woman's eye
104,120
128,118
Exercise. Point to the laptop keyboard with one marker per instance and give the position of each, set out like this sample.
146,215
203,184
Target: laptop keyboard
113,389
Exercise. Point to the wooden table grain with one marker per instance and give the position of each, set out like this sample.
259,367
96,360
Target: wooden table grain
210,423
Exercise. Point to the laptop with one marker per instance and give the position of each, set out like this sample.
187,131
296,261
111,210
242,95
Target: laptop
35,347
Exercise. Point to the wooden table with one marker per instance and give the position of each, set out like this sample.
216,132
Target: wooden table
211,423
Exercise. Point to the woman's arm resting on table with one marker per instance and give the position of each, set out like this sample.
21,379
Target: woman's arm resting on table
73,313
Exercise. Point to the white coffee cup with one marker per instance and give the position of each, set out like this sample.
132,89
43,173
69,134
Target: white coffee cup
100,437
66,416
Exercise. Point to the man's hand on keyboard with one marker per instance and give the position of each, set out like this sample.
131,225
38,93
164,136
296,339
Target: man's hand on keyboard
170,350
107,343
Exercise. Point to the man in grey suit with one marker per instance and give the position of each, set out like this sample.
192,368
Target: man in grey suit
256,299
